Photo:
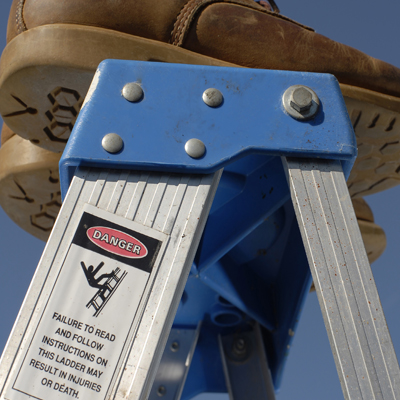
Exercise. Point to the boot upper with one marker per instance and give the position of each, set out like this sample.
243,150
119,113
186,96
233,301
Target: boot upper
238,31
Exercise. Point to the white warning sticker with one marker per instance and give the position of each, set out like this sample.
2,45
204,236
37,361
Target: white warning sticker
83,333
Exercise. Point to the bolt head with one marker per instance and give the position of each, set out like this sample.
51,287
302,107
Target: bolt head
213,97
112,143
132,92
300,102
195,148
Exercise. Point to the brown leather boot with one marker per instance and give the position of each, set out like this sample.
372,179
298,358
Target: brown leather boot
29,184
54,48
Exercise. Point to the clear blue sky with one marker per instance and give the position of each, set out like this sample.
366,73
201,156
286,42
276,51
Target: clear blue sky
370,26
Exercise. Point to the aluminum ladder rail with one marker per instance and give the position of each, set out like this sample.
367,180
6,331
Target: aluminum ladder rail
157,192
359,336
143,307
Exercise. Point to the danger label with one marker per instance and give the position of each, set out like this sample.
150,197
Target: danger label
117,242
80,341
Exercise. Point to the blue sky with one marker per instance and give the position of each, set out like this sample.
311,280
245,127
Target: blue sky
370,26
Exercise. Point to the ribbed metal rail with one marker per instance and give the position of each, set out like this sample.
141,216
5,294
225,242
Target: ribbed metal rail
349,300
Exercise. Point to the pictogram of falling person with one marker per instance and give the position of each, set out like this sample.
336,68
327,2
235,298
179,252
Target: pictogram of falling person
90,274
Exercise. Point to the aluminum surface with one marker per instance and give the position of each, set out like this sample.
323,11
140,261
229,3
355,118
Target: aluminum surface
353,315
177,206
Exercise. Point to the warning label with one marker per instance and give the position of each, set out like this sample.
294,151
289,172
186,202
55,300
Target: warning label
84,330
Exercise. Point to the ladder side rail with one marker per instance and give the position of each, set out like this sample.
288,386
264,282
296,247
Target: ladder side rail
348,297
170,208
50,254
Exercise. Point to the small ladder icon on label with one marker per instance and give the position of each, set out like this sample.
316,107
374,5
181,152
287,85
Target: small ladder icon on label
100,299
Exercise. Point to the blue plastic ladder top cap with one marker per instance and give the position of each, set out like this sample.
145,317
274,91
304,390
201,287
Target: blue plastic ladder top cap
250,120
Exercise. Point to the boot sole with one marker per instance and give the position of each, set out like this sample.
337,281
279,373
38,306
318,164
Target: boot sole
42,89
29,186
376,122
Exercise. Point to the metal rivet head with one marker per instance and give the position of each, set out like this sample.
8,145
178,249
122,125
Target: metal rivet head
132,92
112,143
175,346
213,97
239,346
300,102
195,148
161,391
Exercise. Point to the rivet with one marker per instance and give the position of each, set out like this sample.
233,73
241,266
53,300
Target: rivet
112,143
161,391
132,92
195,148
175,346
239,346
213,97
300,102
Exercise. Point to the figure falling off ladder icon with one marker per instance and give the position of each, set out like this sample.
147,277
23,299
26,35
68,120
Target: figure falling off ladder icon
106,289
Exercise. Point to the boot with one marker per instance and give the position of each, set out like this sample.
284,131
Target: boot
55,46
29,184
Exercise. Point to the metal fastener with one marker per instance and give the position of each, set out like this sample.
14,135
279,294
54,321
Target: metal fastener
239,346
112,143
195,148
300,102
175,346
161,391
132,92
213,97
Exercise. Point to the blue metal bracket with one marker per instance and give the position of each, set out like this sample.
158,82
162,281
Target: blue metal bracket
251,119
251,263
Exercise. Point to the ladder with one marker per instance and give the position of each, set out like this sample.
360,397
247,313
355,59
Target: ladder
153,146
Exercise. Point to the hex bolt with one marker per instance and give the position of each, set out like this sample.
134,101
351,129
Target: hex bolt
301,100
132,92
213,97
195,148
175,346
112,143
161,391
